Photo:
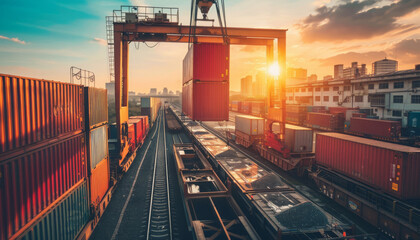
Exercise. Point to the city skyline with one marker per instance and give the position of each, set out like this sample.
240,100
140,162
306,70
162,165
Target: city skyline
321,33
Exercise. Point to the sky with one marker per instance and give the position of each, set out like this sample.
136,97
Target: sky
43,39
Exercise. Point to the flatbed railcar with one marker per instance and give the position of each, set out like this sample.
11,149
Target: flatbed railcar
272,205
210,209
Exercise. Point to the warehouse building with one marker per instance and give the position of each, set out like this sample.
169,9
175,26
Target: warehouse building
387,96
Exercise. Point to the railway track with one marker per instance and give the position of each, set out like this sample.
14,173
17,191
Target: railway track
160,220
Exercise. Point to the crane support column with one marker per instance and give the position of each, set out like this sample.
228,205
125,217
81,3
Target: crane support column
281,50
117,72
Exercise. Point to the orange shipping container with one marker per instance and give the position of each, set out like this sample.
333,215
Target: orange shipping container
34,110
99,182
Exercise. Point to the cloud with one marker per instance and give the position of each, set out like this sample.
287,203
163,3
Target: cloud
100,41
407,52
355,20
16,40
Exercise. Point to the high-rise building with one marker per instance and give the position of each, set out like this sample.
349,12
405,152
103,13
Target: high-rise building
246,86
110,88
313,78
384,66
260,84
363,70
153,91
296,75
338,71
165,91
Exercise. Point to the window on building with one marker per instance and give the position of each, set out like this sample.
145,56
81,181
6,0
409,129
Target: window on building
398,99
415,98
317,89
303,89
336,88
310,89
326,98
326,89
347,88
416,84
358,98
398,84
317,98
358,87
396,113
335,99
371,86
383,85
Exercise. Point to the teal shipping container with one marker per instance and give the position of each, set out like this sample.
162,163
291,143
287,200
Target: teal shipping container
64,221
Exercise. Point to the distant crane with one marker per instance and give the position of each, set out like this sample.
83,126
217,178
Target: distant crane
204,6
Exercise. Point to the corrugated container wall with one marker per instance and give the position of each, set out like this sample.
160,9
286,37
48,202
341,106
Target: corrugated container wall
96,102
33,111
249,125
376,127
33,181
389,167
206,62
98,147
99,182
210,101
299,139
65,221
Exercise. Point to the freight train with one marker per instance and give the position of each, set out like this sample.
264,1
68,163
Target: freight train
352,121
374,179
57,156
275,209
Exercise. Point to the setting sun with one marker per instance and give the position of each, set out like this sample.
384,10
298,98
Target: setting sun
274,69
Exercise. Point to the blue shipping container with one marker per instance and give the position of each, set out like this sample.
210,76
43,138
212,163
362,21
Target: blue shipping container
64,221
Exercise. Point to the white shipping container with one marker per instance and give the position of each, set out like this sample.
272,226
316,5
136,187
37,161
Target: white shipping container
249,125
298,139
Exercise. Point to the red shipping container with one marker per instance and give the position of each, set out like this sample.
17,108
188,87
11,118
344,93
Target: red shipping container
137,129
131,136
99,182
34,110
325,121
33,181
375,128
207,101
236,106
206,62
389,167
359,115
245,107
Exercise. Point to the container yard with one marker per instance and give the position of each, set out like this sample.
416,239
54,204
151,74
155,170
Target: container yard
231,140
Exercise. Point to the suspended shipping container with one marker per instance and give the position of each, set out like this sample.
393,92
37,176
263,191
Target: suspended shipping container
33,181
389,167
96,102
33,111
65,221
209,101
206,62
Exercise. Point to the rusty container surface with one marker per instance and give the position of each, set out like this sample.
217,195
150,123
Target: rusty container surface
96,102
206,62
375,128
326,121
98,146
138,129
210,101
33,181
99,182
34,110
389,167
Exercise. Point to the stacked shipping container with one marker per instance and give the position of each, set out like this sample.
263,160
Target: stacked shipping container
383,129
44,156
205,91
295,114
326,121
150,107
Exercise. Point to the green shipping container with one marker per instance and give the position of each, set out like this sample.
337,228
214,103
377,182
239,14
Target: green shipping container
64,221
